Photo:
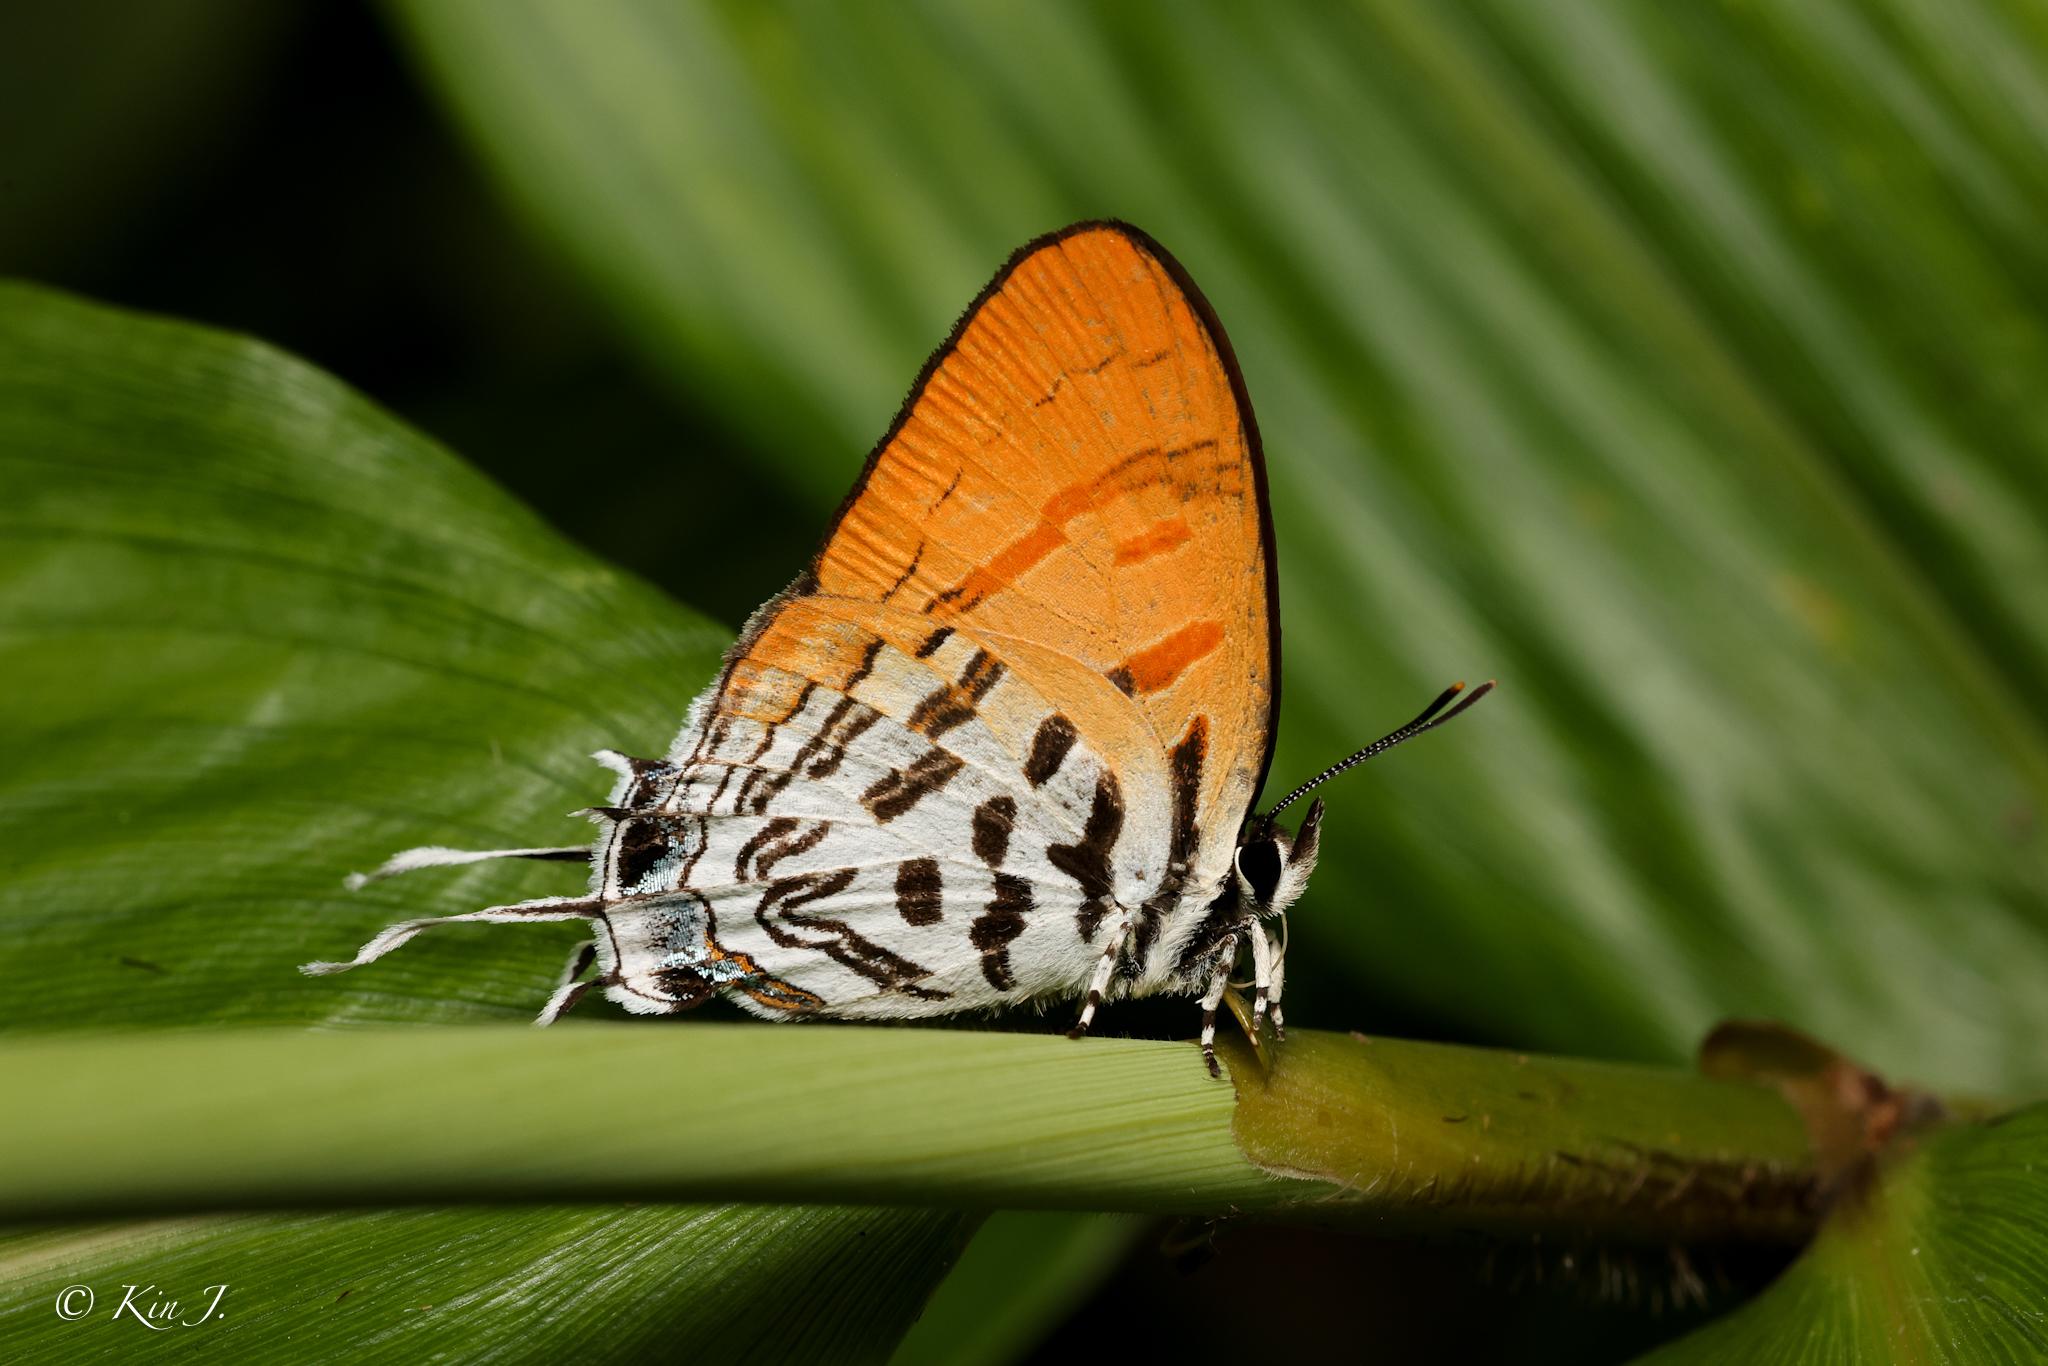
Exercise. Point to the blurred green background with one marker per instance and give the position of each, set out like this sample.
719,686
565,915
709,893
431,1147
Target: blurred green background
1681,366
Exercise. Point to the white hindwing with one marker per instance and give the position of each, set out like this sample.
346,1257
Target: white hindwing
870,854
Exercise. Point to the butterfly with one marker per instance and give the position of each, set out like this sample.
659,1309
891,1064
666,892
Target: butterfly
1001,741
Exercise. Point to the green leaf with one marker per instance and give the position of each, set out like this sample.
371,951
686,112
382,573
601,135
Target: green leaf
257,634
624,1283
1676,364
1941,1260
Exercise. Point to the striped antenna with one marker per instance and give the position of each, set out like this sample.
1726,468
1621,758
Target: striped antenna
1432,716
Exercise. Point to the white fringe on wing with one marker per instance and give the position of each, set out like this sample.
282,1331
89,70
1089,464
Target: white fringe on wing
565,996
547,908
571,985
440,856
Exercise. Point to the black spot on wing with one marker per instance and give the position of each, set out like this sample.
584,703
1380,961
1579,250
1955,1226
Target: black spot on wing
900,789
999,923
1049,748
686,987
1087,859
954,703
920,891
994,819
867,658
843,739
638,847
1184,765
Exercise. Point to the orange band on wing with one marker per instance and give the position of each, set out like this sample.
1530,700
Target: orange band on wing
1128,475
1156,666
1167,535
1000,572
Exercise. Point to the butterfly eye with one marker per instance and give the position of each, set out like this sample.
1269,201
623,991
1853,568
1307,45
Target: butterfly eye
1258,863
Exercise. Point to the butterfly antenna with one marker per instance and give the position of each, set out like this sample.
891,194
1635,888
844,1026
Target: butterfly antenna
1432,716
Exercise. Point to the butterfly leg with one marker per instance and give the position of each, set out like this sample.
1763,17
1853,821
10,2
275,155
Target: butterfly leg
1105,968
1262,974
1279,976
1219,982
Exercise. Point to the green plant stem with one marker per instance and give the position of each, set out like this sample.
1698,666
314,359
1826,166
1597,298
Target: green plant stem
1345,1131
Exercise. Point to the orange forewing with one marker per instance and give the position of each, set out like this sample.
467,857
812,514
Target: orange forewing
1075,483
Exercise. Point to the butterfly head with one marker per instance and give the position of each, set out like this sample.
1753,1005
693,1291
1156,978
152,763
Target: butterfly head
1273,866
